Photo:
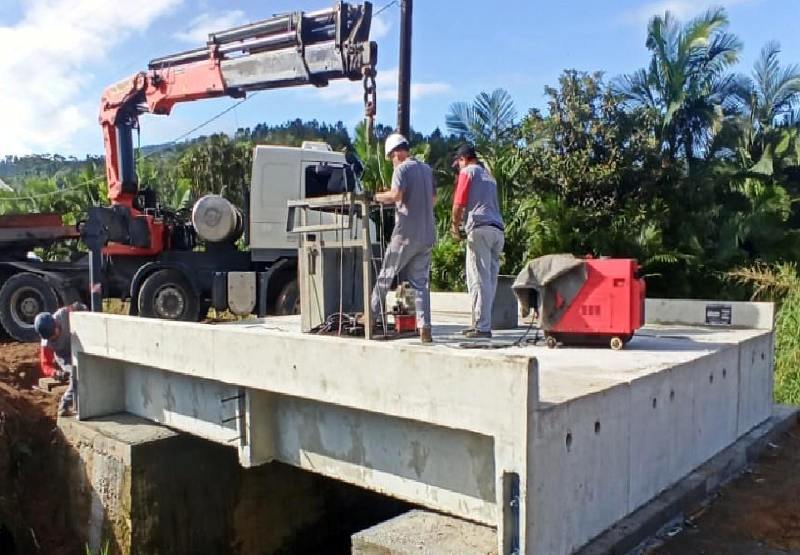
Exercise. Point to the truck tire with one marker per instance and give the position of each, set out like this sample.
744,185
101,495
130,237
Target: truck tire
288,300
22,297
166,294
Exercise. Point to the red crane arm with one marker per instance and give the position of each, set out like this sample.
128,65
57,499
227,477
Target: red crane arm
287,50
159,91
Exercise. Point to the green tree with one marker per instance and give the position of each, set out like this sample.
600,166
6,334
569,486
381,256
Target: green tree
219,166
488,122
768,98
686,82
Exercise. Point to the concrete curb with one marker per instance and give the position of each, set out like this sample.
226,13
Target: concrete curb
692,491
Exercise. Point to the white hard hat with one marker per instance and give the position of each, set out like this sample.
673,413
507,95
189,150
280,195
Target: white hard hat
394,141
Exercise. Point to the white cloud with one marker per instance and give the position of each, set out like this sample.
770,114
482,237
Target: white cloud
379,29
349,92
199,28
682,9
46,67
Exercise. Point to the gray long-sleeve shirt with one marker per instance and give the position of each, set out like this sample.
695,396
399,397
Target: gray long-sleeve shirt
414,220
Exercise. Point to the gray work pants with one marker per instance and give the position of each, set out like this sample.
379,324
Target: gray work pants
484,247
412,263
68,399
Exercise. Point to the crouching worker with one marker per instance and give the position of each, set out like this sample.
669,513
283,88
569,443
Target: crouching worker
55,334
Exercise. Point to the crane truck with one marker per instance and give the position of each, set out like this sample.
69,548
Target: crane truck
171,266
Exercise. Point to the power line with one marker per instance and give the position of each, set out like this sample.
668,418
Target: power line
208,121
385,7
145,157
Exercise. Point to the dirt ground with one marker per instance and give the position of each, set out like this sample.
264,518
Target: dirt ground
32,515
757,514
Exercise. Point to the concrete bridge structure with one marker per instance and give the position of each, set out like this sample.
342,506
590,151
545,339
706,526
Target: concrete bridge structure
548,447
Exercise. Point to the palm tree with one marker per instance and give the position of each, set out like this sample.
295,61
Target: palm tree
768,98
487,122
685,82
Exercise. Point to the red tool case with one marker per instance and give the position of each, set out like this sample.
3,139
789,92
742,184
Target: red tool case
608,308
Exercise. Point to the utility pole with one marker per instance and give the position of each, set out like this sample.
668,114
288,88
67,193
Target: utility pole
404,77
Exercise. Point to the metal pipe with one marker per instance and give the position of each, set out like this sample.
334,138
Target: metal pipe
279,24
276,42
404,77
273,42
188,56
95,278
276,33
267,27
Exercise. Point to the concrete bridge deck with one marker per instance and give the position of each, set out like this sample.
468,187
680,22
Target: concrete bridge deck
551,447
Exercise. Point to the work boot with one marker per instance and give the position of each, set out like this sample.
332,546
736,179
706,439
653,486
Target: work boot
425,335
477,334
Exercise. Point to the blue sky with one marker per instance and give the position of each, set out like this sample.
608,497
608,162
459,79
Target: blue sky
66,51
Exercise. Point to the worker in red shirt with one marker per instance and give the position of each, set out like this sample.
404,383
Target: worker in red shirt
476,196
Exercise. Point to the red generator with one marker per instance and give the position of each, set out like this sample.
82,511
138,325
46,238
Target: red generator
584,301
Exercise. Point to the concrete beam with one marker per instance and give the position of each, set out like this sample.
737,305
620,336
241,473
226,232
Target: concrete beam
693,313
471,387
368,418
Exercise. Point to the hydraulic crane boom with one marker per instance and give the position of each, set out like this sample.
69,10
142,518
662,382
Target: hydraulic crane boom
283,51
289,50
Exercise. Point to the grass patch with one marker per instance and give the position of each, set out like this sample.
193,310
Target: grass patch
780,284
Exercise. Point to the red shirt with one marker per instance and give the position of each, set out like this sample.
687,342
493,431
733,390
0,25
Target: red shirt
461,195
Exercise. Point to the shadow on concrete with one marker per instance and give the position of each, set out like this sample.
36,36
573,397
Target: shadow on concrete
182,494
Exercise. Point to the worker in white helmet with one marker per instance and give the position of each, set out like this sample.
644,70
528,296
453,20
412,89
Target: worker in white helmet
408,255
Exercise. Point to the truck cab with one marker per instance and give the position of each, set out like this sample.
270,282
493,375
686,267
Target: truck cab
281,174
263,278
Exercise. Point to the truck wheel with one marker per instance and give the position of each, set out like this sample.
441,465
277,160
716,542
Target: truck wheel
167,295
22,297
288,300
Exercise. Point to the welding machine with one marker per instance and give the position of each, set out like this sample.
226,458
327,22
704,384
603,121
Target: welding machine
583,301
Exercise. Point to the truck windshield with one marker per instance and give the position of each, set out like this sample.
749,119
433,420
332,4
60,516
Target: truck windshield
327,179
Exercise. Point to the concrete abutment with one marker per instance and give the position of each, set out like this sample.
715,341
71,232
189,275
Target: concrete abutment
143,488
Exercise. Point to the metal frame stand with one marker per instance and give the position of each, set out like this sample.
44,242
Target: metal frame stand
344,222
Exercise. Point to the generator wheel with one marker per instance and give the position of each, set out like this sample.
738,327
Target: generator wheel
22,297
288,300
551,342
166,294
616,343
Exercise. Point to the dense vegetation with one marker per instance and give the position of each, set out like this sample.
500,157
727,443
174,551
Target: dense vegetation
687,166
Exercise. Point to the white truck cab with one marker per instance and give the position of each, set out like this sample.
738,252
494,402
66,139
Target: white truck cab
281,174
265,275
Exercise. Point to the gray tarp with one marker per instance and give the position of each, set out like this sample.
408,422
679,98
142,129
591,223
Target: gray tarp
549,276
